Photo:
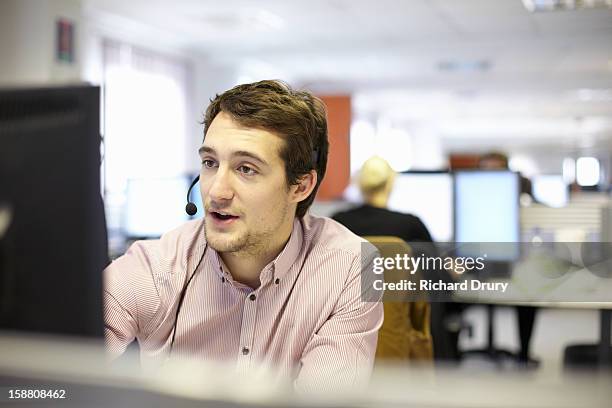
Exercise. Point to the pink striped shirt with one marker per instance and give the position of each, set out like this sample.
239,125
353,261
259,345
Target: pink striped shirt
307,319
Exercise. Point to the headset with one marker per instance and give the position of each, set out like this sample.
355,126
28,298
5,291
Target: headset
192,209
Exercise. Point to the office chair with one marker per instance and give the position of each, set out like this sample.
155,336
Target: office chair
405,333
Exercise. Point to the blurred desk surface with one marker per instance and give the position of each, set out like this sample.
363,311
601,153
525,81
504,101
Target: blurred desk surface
576,289
546,281
80,368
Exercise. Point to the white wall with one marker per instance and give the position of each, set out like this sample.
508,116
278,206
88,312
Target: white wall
210,79
27,42
207,77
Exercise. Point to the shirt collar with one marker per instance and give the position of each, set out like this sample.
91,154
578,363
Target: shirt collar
290,252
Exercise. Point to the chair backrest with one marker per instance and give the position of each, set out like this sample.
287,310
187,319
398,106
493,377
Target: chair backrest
405,333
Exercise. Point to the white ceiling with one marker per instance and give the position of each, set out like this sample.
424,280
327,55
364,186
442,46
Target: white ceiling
481,73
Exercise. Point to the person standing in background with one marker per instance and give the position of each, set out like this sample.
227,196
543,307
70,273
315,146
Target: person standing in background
526,314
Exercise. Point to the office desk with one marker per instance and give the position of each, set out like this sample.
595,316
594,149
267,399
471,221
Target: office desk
81,369
577,289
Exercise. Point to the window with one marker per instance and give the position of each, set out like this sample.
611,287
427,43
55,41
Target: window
587,171
145,121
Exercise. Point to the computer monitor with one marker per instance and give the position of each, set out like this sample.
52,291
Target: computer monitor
54,246
429,196
550,190
487,211
155,206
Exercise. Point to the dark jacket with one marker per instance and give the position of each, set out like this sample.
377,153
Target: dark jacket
368,221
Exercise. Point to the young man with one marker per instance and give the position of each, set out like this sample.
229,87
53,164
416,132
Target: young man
258,282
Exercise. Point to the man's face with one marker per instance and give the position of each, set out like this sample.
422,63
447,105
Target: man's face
247,201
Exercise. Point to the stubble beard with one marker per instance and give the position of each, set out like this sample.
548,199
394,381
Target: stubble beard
249,243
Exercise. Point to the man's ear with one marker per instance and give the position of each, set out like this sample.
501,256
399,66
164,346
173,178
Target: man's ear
305,184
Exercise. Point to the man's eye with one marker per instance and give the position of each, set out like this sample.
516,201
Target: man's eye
209,164
246,170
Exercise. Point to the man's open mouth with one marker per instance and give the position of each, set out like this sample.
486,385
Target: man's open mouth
222,216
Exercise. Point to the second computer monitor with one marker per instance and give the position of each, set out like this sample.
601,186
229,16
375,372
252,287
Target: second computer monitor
487,210
429,196
155,206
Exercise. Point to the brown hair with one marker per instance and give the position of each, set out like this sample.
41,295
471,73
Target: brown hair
498,157
297,116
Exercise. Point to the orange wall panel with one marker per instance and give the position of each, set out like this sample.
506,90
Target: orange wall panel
464,161
337,176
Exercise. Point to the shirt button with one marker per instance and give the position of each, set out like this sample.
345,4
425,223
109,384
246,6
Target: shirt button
223,279
252,297
277,281
245,351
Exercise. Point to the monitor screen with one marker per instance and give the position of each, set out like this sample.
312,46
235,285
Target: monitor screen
550,190
53,244
155,206
429,196
487,210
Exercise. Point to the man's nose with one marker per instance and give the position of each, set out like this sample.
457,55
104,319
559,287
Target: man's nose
220,187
